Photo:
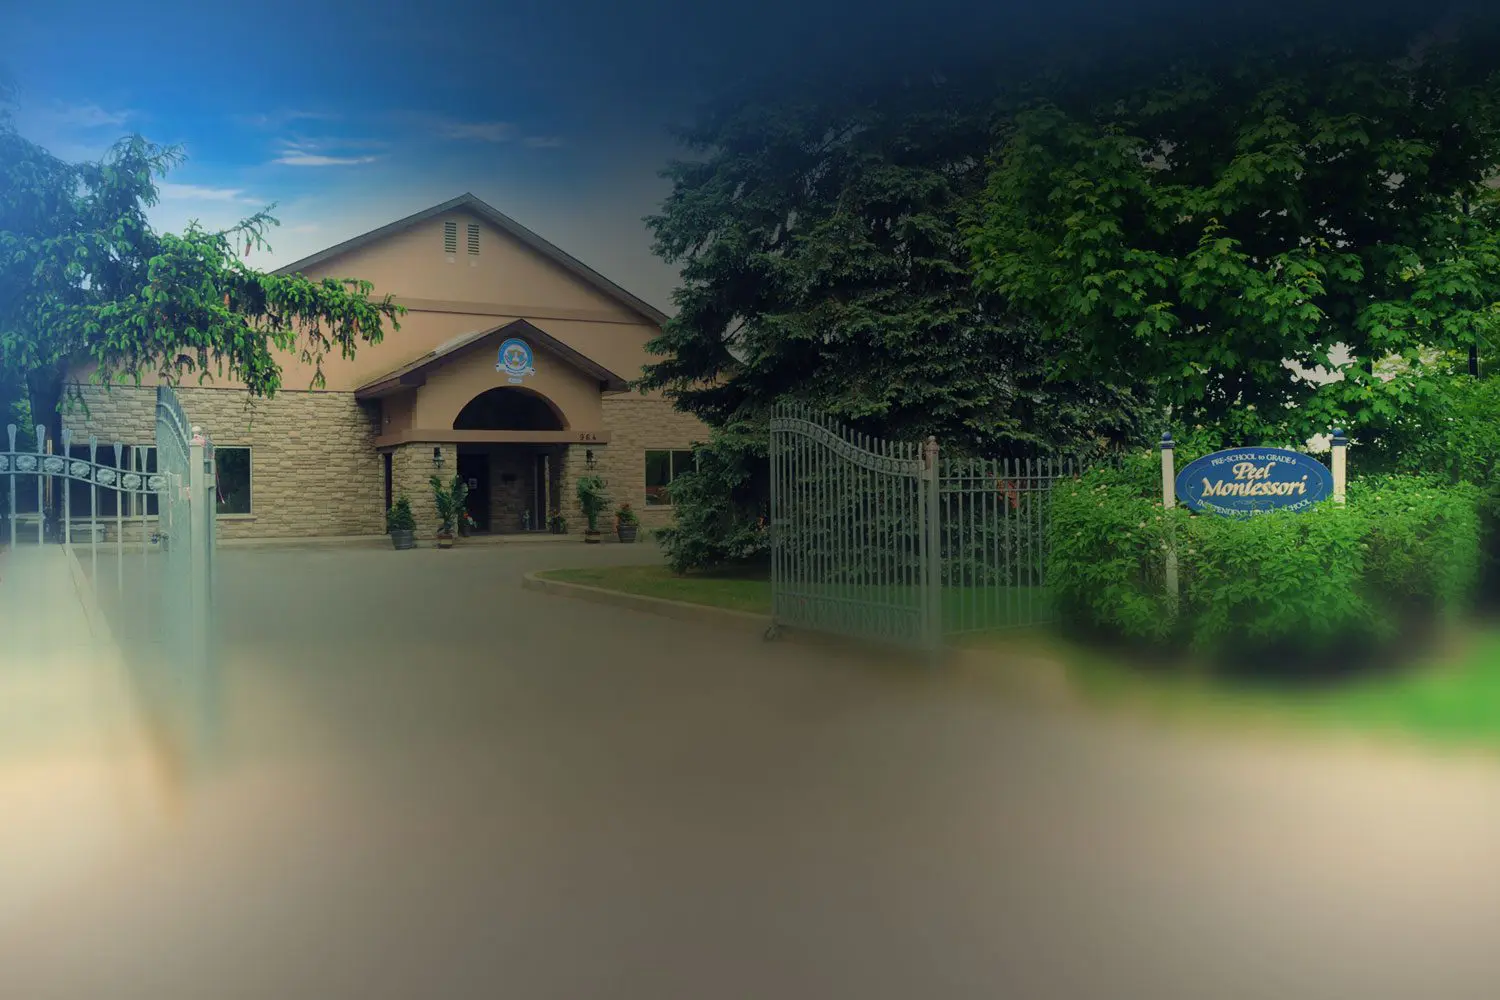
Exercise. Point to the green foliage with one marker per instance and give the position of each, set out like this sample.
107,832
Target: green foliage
1403,549
625,514
398,517
821,253
449,501
1424,553
819,238
85,278
1200,215
593,499
1256,582
721,506
1107,540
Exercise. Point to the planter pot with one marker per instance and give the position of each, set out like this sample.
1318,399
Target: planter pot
444,540
556,529
403,539
591,537
627,532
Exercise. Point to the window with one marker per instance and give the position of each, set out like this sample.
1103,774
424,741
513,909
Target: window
473,238
450,237
232,467
661,468
107,502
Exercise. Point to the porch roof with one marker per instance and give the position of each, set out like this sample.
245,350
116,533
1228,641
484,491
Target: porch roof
415,374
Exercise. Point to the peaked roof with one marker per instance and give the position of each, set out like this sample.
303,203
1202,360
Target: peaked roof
415,373
506,224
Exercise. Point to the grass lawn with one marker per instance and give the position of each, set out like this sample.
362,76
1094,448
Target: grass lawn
963,607
1450,695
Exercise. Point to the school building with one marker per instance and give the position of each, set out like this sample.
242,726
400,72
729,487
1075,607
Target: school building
510,369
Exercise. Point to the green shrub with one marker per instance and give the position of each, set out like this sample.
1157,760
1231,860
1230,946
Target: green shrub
1403,548
398,517
721,507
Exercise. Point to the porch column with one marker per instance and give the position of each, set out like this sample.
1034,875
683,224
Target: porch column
574,468
411,470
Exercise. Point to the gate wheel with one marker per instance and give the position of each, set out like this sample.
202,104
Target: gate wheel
773,632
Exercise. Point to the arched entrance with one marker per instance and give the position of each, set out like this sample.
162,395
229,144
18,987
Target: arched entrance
511,486
508,408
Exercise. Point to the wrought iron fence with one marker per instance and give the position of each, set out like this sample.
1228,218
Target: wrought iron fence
154,501
892,542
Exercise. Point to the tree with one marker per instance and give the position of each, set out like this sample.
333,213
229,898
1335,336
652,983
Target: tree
1203,214
820,241
83,276
821,245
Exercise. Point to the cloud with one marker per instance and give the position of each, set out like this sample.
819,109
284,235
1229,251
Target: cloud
481,131
279,119
84,116
198,192
544,141
306,154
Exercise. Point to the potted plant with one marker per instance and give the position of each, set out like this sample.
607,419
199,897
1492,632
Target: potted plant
557,524
400,524
626,523
592,498
450,507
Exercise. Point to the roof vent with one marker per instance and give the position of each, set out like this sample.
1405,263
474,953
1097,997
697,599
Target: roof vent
450,237
473,237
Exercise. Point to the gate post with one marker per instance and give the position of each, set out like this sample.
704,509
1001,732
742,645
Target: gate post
1169,501
200,528
932,564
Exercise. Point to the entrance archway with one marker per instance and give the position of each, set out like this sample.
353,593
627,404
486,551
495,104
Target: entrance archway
512,486
506,408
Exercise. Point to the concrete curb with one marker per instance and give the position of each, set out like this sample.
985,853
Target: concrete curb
384,542
1038,678
680,610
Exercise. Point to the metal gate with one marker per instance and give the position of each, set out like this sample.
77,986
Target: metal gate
852,546
889,541
105,505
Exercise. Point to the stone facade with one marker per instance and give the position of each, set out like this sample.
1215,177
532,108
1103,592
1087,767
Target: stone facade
636,425
315,469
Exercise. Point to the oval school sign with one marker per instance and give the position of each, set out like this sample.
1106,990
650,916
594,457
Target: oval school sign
1242,482
515,361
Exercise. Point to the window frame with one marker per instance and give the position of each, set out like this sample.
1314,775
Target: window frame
249,481
673,471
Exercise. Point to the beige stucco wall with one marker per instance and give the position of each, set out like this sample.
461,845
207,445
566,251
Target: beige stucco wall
468,373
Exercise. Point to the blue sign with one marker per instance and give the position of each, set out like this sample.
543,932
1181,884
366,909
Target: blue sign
515,361
1241,482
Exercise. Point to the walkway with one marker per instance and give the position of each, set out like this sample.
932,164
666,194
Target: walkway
446,786
76,783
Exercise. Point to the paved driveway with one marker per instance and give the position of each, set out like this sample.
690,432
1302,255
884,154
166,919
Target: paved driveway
440,785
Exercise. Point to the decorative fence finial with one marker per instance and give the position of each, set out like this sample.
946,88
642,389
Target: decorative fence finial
1166,441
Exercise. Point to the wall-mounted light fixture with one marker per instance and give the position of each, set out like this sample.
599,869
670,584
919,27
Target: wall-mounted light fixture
437,458
588,460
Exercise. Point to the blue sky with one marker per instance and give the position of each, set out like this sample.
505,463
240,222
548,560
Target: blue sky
349,119
350,115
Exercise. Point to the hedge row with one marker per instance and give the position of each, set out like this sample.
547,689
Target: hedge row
1402,549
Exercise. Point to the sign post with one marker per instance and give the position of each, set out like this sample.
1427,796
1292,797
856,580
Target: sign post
1169,500
1340,454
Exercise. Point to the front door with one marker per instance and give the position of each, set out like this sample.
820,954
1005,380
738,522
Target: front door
474,469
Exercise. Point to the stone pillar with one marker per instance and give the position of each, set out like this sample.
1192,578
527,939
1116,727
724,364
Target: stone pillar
411,472
574,468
